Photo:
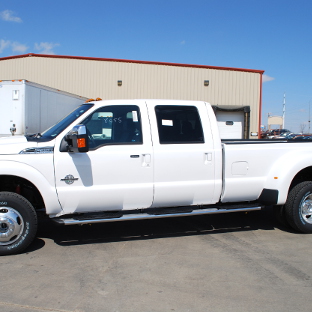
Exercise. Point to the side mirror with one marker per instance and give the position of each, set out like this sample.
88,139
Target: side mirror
77,139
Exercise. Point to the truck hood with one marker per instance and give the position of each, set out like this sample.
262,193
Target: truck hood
14,145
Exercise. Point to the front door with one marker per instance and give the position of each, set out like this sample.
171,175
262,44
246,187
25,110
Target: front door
116,173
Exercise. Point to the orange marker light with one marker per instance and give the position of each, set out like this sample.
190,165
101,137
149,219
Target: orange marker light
275,178
90,100
81,143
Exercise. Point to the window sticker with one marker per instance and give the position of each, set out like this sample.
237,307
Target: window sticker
135,116
105,114
166,122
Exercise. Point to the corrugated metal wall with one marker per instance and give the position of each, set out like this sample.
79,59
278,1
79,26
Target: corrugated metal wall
98,78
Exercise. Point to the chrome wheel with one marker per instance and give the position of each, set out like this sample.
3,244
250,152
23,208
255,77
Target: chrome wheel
11,225
298,207
306,208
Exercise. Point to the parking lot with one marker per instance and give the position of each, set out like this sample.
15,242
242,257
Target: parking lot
232,262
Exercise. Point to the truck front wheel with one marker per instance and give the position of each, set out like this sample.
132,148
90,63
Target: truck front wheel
298,207
18,223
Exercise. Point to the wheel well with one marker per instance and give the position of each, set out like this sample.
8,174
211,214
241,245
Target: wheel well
303,175
23,187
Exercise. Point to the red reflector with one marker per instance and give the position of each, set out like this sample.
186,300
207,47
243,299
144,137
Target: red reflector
81,143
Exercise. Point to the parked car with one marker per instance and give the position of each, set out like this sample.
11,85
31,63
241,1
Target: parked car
274,133
302,137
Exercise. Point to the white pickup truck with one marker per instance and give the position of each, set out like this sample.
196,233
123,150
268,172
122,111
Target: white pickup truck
139,159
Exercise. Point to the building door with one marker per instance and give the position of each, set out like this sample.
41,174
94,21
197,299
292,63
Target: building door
230,124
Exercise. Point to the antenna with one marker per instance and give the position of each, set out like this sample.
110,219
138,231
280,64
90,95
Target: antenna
284,110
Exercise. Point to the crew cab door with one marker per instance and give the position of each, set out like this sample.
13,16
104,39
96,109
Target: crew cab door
116,173
187,164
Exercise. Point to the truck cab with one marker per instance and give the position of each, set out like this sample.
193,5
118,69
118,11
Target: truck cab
142,154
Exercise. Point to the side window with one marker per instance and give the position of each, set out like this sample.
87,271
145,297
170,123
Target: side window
114,125
178,124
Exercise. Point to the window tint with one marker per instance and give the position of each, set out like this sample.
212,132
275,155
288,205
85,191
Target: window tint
178,124
114,125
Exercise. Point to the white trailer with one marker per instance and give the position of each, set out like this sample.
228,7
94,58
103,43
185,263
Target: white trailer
31,108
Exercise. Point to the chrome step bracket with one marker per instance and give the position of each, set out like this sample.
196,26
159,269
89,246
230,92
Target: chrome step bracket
74,220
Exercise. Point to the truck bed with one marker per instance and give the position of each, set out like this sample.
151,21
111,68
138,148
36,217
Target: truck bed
249,165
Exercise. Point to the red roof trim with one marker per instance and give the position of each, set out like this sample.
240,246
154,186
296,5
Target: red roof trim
130,61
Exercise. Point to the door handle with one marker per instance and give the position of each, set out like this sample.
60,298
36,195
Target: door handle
146,160
134,156
208,158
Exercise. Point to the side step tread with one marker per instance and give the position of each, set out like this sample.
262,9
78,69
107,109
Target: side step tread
102,215
165,211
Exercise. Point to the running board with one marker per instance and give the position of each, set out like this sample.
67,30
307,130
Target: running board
147,214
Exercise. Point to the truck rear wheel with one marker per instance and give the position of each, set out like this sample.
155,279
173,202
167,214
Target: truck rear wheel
18,223
298,207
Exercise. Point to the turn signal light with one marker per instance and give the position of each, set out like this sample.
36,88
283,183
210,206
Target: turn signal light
81,143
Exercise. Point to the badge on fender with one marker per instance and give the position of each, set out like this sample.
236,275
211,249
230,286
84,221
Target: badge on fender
69,179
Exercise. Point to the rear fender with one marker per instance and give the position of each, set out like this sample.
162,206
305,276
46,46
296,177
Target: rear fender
284,170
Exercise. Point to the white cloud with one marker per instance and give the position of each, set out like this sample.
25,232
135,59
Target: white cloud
183,42
14,46
8,16
4,44
46,47
19,47
266,78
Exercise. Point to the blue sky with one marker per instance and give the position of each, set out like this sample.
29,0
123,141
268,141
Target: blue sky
270,35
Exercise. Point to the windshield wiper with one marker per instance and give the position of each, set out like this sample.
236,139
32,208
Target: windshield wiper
35,135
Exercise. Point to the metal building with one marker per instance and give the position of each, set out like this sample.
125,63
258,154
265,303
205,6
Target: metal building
235,93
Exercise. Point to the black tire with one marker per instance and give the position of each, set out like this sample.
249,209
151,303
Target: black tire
298,207
18,223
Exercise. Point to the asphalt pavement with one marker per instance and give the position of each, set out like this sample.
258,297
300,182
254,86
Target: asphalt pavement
233,262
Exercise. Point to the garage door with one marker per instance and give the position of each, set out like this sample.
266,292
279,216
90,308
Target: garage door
231,124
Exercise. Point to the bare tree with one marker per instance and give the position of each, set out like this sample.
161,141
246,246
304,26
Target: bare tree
302,128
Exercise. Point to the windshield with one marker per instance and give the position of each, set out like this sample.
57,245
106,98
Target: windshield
55,130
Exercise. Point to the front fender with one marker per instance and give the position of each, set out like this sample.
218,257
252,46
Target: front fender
42,179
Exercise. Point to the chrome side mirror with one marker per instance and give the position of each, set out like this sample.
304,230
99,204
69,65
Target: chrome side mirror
77,139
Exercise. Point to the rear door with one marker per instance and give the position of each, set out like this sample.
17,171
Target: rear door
184,154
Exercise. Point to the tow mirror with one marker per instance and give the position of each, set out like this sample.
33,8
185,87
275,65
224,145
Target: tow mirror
77,139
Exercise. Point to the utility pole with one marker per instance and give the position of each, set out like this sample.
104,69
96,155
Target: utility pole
284,110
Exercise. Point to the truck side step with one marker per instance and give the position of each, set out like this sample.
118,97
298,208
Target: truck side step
147,214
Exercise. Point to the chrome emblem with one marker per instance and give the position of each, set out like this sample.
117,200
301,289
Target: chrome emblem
69,179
